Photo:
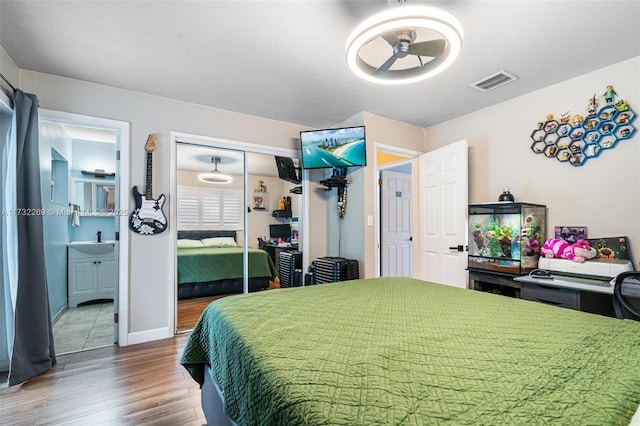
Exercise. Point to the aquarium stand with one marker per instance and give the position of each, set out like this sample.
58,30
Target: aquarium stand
494,282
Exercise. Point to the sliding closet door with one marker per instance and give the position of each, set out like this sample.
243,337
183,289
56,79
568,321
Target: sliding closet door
265,194
211,213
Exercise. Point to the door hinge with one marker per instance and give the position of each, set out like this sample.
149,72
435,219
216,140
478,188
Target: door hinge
118,155
117,236
115,318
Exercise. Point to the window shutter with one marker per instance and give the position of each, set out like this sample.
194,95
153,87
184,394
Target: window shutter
232,208
188,208
209,208
211,202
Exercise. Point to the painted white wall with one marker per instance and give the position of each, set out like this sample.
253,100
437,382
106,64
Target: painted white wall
385,131
358,240
150,281
603,194
9,69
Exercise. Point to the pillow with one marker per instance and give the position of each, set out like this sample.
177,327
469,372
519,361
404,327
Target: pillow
219,242
189,243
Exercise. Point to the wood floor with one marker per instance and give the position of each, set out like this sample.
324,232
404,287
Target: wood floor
189,311
136,385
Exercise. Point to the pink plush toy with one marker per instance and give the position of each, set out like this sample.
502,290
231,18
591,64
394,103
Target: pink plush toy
578,252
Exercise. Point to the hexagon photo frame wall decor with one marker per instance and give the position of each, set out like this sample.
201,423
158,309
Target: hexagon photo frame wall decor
574,139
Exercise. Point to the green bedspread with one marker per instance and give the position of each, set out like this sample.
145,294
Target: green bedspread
204,264
397,351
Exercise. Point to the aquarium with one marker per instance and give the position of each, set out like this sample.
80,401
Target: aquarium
506,237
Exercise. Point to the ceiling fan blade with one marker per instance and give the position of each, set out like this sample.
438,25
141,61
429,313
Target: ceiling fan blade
390,37
430,48
387,64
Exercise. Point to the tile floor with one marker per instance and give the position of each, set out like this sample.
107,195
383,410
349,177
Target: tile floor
84,327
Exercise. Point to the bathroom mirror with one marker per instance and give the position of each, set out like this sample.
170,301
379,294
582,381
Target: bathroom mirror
94,197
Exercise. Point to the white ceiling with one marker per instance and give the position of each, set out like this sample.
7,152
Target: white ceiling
285,59
198,159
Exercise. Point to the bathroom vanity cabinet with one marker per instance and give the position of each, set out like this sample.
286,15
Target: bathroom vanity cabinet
91,276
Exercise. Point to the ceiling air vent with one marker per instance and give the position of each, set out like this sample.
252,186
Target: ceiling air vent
494,80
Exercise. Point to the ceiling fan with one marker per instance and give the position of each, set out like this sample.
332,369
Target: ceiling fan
215,175
404,44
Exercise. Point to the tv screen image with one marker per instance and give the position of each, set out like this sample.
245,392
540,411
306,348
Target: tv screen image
342,147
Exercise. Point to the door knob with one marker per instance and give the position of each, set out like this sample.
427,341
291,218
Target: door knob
459,247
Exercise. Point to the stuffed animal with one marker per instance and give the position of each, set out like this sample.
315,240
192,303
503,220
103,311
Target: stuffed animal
529,246
578,252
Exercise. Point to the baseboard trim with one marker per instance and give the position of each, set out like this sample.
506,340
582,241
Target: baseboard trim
148,335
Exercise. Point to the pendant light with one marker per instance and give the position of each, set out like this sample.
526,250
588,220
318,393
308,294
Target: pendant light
215,176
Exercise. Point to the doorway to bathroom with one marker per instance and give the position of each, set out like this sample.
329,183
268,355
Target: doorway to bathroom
82,187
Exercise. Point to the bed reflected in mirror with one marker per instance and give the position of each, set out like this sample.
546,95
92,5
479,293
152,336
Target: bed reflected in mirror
210,219
212,234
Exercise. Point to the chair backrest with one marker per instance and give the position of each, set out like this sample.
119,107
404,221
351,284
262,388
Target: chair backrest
626,295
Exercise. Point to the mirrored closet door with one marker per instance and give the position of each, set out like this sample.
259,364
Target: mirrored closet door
238,215
210,222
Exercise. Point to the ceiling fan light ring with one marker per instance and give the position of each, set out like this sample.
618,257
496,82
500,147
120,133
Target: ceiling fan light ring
213,177
401,18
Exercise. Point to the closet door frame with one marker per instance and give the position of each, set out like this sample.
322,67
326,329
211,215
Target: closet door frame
214,143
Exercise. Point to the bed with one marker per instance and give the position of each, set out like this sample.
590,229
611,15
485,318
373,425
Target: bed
216,268
398,351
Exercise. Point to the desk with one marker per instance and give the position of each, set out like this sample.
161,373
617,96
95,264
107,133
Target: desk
583,294
578,293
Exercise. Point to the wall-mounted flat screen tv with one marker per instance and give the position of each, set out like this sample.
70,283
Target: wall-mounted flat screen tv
343,147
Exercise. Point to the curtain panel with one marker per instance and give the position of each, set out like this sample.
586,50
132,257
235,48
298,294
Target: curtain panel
33,350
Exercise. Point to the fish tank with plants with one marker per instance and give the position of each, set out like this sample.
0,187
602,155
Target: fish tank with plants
506,237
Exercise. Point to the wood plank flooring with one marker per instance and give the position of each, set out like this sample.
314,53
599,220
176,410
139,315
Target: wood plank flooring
136,385
189,311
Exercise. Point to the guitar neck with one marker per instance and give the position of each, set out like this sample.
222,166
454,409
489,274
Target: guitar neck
148,189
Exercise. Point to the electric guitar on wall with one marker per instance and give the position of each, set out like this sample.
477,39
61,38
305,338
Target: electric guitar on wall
148,218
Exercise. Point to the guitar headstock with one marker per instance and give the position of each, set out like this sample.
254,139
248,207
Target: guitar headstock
151,142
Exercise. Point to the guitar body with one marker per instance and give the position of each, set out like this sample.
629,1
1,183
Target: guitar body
147,217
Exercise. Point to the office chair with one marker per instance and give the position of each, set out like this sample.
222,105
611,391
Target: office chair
626,295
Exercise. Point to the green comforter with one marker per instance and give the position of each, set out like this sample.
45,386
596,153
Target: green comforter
398,351
204,264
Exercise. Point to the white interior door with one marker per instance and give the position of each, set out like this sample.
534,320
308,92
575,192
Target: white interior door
395,196
443,214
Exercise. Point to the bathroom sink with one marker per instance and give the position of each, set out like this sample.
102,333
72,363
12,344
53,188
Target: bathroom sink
92,247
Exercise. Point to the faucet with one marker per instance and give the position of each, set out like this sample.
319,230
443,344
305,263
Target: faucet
99,236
